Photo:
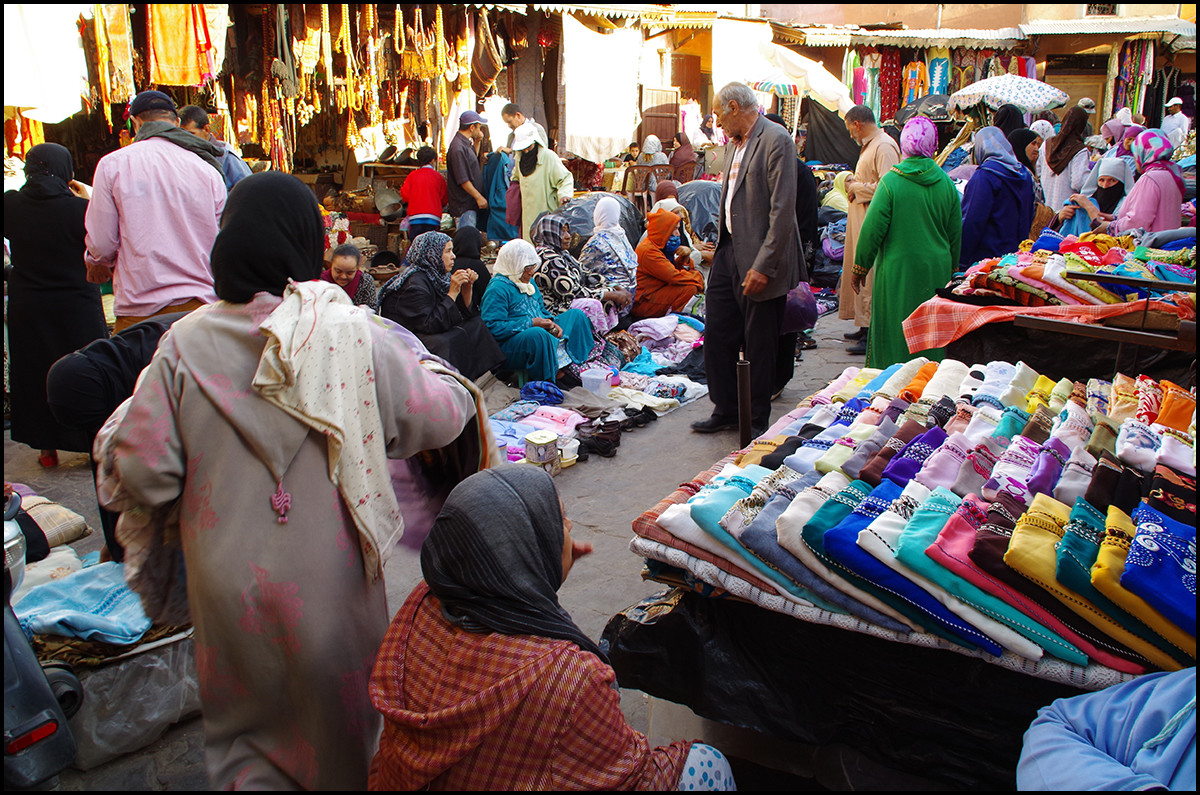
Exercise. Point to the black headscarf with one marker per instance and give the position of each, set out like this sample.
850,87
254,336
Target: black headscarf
494,556
467,247
48,169
1019,140
1009,119
271,232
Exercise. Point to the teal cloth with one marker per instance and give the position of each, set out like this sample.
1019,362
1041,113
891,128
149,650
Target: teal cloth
509,314
92,604
830,515
1076,554
922,531
707,508
1012,422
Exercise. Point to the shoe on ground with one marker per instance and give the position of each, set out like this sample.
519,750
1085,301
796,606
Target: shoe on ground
714,424
858,350
857,334
775,396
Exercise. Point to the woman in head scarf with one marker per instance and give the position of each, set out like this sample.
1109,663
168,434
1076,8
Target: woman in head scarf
652,152
1154,203
52,309
283,533
345,270
1008,118
837,198
911,237
468,247
608,253
1113,182
516,315
998,203
561,278
1063,162
663,285
684,152
1043,128
432,300
484,680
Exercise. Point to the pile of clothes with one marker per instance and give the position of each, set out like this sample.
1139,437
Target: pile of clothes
1044,525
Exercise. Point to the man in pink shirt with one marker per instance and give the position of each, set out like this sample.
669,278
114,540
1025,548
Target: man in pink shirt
153,216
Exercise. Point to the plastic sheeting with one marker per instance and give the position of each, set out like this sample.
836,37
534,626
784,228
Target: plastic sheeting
578,213
702,198
828,141
947,717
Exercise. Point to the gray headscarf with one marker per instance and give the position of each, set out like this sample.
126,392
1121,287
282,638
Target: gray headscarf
992,145
494,556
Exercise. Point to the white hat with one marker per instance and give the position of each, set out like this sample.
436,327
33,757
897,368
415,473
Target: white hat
1174,101
1088,104
524,136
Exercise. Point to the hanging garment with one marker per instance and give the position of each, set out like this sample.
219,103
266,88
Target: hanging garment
179,44
113,19
938,59
889,84
915,79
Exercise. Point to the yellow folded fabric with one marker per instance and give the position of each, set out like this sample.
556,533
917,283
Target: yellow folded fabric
1040,394
759,450
1061,394
1123,404
1031,553
1106,576
864,377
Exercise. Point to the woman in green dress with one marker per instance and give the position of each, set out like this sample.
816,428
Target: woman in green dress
911,237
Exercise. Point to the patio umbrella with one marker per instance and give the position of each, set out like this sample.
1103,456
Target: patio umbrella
1027,94
781,85
932,106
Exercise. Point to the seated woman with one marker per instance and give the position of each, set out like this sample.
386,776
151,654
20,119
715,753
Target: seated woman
468,243
608,252
1154,203
516,315
344,270
485,682
561,278
837,197
1114,181
663,286
684,241
433,303
998,203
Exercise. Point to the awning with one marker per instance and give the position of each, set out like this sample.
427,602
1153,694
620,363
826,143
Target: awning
848,36
1098,25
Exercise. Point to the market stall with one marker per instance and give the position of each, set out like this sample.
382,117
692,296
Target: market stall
914,560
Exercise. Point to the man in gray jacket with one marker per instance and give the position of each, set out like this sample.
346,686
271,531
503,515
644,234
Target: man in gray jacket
757,259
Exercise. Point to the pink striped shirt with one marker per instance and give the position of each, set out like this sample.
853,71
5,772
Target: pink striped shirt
153,217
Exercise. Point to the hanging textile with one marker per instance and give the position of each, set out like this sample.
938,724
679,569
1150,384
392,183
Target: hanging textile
20,134
1134,72
179,44
938,59
889,83
485,62
113,20
851,62
873,66
1164,86
45,69
915,82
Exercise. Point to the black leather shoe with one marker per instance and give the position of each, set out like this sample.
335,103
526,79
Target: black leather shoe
857,334
714,424
858,350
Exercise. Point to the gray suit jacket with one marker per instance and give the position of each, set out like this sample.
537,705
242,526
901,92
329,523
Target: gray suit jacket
765,235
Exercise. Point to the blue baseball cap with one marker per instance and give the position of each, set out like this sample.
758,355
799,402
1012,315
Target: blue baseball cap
470,117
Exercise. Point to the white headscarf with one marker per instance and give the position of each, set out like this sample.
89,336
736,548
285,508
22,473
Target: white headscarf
607,215
1125,115
514,257
1043,128
651,146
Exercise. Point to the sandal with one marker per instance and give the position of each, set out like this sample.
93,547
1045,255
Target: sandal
601,447
49,461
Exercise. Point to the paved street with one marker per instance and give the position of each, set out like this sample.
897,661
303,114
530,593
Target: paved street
602,497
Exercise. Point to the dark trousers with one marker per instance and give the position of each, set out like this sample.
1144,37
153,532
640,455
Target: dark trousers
733,323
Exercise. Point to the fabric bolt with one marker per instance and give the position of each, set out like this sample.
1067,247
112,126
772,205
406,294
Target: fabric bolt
913,390
995,383
1076,476
973,544
1137,445
983,423
1039,426
1076,555
941,412
1177,454
1012,422
1031,552
840,545
881,539
789,529
904,466
872,387
1106,574
977,468
1124,401
943,465
873,412
1073,425
872,471
856,384
1177,408
810,451
1104,437
900,378
867,449
975,378
1039,394
1161,566
1098,394
844,447
1139,735
1023,380
1060,394
826,394
1150,397
1011,473
922,531
1048,467
964,413
744,511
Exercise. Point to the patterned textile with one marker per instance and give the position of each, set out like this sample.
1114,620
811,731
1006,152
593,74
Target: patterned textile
470,711
1161,567
561,278
939,321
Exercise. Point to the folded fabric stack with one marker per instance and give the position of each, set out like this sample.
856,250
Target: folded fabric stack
1045,525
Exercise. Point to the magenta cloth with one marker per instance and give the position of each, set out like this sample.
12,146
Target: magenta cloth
1152,151
919,138
1131,132
952,549
158,241
351,288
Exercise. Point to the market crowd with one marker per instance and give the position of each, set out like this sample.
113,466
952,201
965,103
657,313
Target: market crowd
256,379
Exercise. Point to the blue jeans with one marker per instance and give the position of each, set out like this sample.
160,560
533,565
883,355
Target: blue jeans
467,219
